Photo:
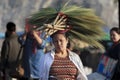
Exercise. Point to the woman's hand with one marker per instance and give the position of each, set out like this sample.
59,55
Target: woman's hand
36,35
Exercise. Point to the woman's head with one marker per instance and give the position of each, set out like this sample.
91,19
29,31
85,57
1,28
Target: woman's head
60,41
115,34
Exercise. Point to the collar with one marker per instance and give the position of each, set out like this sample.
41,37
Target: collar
52,53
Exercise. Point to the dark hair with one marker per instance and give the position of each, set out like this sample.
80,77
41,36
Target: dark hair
116,29
11,26
60,32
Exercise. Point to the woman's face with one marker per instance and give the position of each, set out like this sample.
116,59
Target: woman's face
60,42
115,37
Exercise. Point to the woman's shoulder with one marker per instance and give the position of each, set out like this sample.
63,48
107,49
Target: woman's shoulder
73,54
117,46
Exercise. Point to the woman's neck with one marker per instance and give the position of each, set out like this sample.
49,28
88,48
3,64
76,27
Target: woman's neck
115,43
61,53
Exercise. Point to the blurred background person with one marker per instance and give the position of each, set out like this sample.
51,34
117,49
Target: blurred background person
10,50
33,49
114,51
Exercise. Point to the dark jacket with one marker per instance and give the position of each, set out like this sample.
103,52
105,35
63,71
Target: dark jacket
114,52
10,50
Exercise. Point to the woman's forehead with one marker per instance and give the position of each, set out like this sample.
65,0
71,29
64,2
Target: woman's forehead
114,32
59,36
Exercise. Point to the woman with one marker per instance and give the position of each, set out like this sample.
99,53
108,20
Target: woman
61,63
114,51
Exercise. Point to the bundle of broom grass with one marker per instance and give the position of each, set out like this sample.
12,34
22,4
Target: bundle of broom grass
82,23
